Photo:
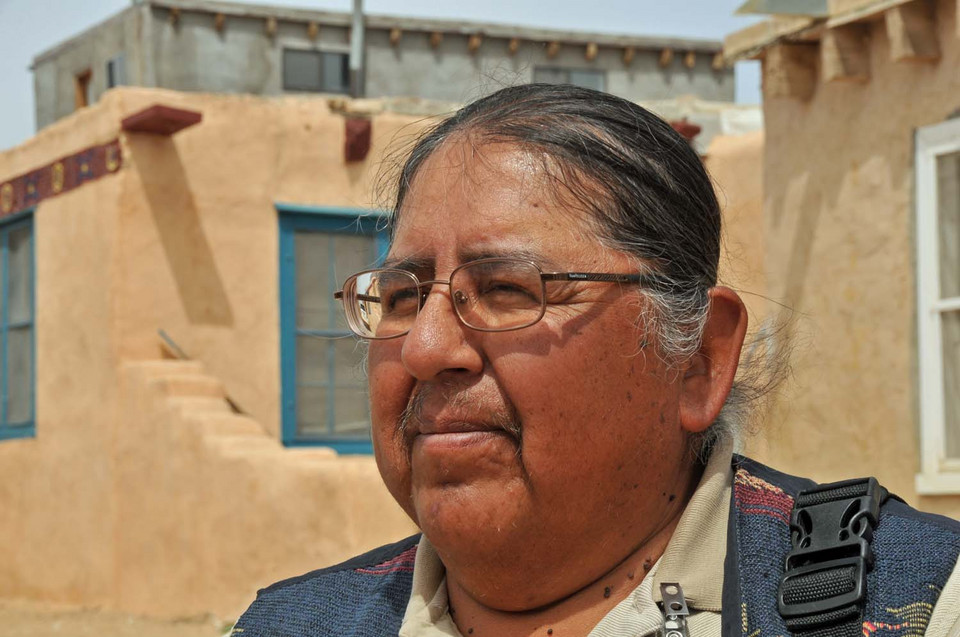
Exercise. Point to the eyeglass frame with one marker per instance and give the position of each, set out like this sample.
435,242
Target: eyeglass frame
596,277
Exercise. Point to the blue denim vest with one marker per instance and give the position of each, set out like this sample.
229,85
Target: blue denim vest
914,555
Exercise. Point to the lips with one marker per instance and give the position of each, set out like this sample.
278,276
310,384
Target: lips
452,414
452,426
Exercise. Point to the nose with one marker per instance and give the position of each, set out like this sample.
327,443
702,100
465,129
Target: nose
438,343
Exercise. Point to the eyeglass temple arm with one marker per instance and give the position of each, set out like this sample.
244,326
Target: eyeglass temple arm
361,297
594,276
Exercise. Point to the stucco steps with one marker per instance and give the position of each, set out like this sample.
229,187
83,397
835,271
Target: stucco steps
244,447
199,405
264,450
189,385
158,368
200,401
225,424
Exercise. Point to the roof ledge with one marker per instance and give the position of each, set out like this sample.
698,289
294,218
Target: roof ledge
750,42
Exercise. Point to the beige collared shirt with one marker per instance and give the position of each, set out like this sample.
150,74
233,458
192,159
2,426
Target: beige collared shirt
694,558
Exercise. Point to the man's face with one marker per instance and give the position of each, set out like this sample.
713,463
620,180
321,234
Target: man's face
555,444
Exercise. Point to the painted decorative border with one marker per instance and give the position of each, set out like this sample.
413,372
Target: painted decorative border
65,174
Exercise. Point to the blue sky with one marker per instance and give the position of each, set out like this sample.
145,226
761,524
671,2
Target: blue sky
30,26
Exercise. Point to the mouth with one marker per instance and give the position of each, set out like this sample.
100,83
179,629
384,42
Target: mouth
456,419
457,441
430,426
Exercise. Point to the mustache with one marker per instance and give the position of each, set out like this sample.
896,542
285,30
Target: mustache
412,418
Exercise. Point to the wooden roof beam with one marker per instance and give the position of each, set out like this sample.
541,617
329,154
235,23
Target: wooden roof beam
474,42
790,70
912,32
844,54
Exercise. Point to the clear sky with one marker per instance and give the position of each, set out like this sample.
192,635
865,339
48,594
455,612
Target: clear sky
28,27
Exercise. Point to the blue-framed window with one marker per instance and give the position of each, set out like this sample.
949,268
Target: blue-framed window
17,328
323,380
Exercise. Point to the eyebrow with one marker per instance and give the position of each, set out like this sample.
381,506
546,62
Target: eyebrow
415,264
411,264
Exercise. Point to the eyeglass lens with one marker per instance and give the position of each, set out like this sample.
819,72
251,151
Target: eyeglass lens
487,295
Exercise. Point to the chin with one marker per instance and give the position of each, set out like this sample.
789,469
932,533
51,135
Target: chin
472,524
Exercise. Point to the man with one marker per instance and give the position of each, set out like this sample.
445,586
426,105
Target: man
551,369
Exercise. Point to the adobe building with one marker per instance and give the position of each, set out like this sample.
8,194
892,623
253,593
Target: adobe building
144,470
861,211
201,45
184,416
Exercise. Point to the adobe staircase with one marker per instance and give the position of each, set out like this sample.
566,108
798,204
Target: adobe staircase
211,507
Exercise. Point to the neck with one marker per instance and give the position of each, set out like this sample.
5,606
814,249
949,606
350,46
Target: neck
574,615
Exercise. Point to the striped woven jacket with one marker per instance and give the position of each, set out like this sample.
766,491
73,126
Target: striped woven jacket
914,555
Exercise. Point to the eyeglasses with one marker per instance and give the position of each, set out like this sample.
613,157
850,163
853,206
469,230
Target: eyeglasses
489,295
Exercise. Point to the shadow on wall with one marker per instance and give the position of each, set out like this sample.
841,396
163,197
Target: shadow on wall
177,220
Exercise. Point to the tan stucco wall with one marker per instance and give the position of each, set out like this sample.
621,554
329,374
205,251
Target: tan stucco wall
735,164
116,501
55,490
838,179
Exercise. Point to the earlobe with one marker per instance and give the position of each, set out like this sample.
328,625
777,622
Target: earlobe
709,374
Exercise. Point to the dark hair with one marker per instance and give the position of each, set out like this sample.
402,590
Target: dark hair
645,187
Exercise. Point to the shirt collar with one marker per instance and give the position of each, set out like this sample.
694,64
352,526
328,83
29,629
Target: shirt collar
696,552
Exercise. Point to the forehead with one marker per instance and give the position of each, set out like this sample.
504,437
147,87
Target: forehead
472,200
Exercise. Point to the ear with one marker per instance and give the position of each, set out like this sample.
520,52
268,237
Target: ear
709,374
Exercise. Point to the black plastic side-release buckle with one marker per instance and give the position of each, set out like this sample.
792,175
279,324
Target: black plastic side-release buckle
831,529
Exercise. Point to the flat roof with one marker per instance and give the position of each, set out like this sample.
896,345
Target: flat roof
376,21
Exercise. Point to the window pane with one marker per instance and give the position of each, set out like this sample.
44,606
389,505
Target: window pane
951,382
314,292
551,76
587,79
301,70
116,72
312,411
18,261
352,416
336,73
317,280
352,253
330,378
312,360
948,210
19,375
352,413
349,354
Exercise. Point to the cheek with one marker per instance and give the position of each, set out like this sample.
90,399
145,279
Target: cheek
590,408
390,388
390,384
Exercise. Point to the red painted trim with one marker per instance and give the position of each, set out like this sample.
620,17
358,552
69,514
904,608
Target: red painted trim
27,190
689,130
160,120
357,133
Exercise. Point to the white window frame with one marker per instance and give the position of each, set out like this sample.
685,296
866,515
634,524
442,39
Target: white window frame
938,474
